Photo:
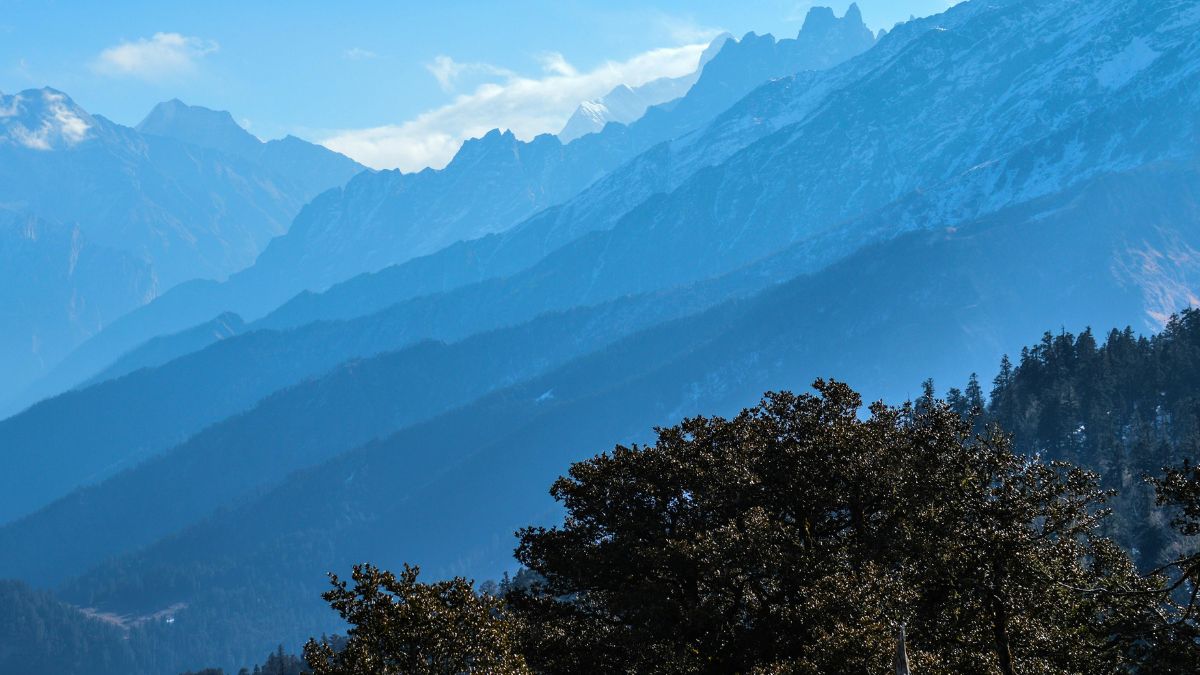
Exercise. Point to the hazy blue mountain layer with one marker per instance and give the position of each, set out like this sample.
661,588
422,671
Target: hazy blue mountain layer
44,635
57,288
137,415
305,424
177,208
167,348
312,168
191,206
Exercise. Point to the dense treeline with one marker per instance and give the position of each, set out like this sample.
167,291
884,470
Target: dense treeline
277,663
1126,408
42,635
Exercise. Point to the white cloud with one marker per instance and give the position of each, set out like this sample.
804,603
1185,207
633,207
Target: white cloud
685,30
556,64
447,71
157,58
359,54
19,69
71,126
526,105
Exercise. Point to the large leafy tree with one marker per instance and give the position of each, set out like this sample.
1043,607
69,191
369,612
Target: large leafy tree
795,536
399,625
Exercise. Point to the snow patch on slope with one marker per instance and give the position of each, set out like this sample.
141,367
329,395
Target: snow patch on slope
1126,65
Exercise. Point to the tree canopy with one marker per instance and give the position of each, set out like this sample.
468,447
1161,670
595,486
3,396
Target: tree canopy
399,625
797,534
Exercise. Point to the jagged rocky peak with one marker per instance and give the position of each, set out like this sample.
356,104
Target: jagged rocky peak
200,126
488,145
821,27
753,38
492,139
819,19
821,24
43,119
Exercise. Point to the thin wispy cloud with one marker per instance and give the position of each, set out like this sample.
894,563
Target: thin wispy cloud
685,30
526,105
21,70
554,63
359,54
448,72
160,57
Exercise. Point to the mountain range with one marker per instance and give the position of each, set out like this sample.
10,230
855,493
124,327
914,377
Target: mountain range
491,186
246,368
915,208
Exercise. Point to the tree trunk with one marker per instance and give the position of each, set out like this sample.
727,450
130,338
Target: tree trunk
901,661
1003,644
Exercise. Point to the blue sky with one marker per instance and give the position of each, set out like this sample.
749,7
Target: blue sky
392,83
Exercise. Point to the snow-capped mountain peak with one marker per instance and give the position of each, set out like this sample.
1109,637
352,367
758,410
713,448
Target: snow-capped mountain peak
43,119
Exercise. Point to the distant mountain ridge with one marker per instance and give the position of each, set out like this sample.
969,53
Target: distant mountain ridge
177,204
201,127
313,167
57,288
